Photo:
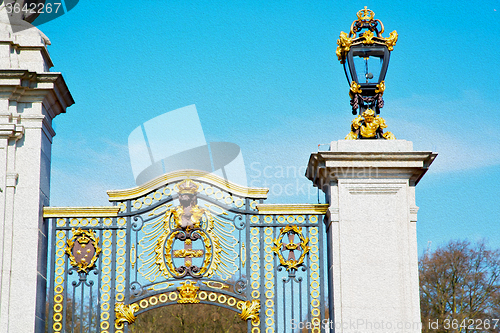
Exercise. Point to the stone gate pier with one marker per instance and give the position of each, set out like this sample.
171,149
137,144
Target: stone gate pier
30,98
371,230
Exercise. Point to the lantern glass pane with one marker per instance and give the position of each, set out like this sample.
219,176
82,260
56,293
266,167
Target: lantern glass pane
368,68
368,63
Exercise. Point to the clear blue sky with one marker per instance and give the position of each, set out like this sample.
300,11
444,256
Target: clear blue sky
264,75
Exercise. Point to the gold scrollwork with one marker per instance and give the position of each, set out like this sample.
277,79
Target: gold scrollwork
183,253
379,89
278,247
368,35
355,89
188,293
168,241
215,284
159,248
249,310
366,19
219,252
160,209
161,286
125,313
83,249
344,45
216,209
391,40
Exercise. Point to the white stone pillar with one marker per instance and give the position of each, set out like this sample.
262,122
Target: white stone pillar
30,97
371,226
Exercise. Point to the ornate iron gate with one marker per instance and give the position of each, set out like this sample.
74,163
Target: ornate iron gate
187,237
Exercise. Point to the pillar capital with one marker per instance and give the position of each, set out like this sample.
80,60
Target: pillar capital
23,86
368,159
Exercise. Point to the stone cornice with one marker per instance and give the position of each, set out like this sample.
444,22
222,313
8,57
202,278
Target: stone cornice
328,166
27,87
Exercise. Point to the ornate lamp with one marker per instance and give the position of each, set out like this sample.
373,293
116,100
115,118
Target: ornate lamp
365,55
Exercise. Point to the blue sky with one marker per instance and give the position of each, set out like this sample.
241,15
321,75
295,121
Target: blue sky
264,75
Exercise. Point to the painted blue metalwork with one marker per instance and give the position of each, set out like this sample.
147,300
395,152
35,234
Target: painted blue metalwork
229,256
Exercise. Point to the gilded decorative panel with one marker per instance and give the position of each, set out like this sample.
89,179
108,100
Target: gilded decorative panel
186,239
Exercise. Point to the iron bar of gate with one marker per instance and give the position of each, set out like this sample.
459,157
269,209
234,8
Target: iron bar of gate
300,299
113,280
73,304
284,306
82,301
248,257
99,279
65,297
308,275
127,264
321,253
90,305
262,245
292,280
52,271
275,266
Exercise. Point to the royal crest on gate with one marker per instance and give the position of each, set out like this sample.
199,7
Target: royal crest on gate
190,241
83,249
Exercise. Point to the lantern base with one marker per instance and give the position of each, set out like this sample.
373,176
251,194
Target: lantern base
362,103
369,126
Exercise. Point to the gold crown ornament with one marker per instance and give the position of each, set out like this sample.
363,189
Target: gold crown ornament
187,186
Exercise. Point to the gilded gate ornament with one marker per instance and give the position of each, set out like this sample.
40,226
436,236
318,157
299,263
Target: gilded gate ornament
208,245
83,249
187,233
188,293
125,313
250,310
279,247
